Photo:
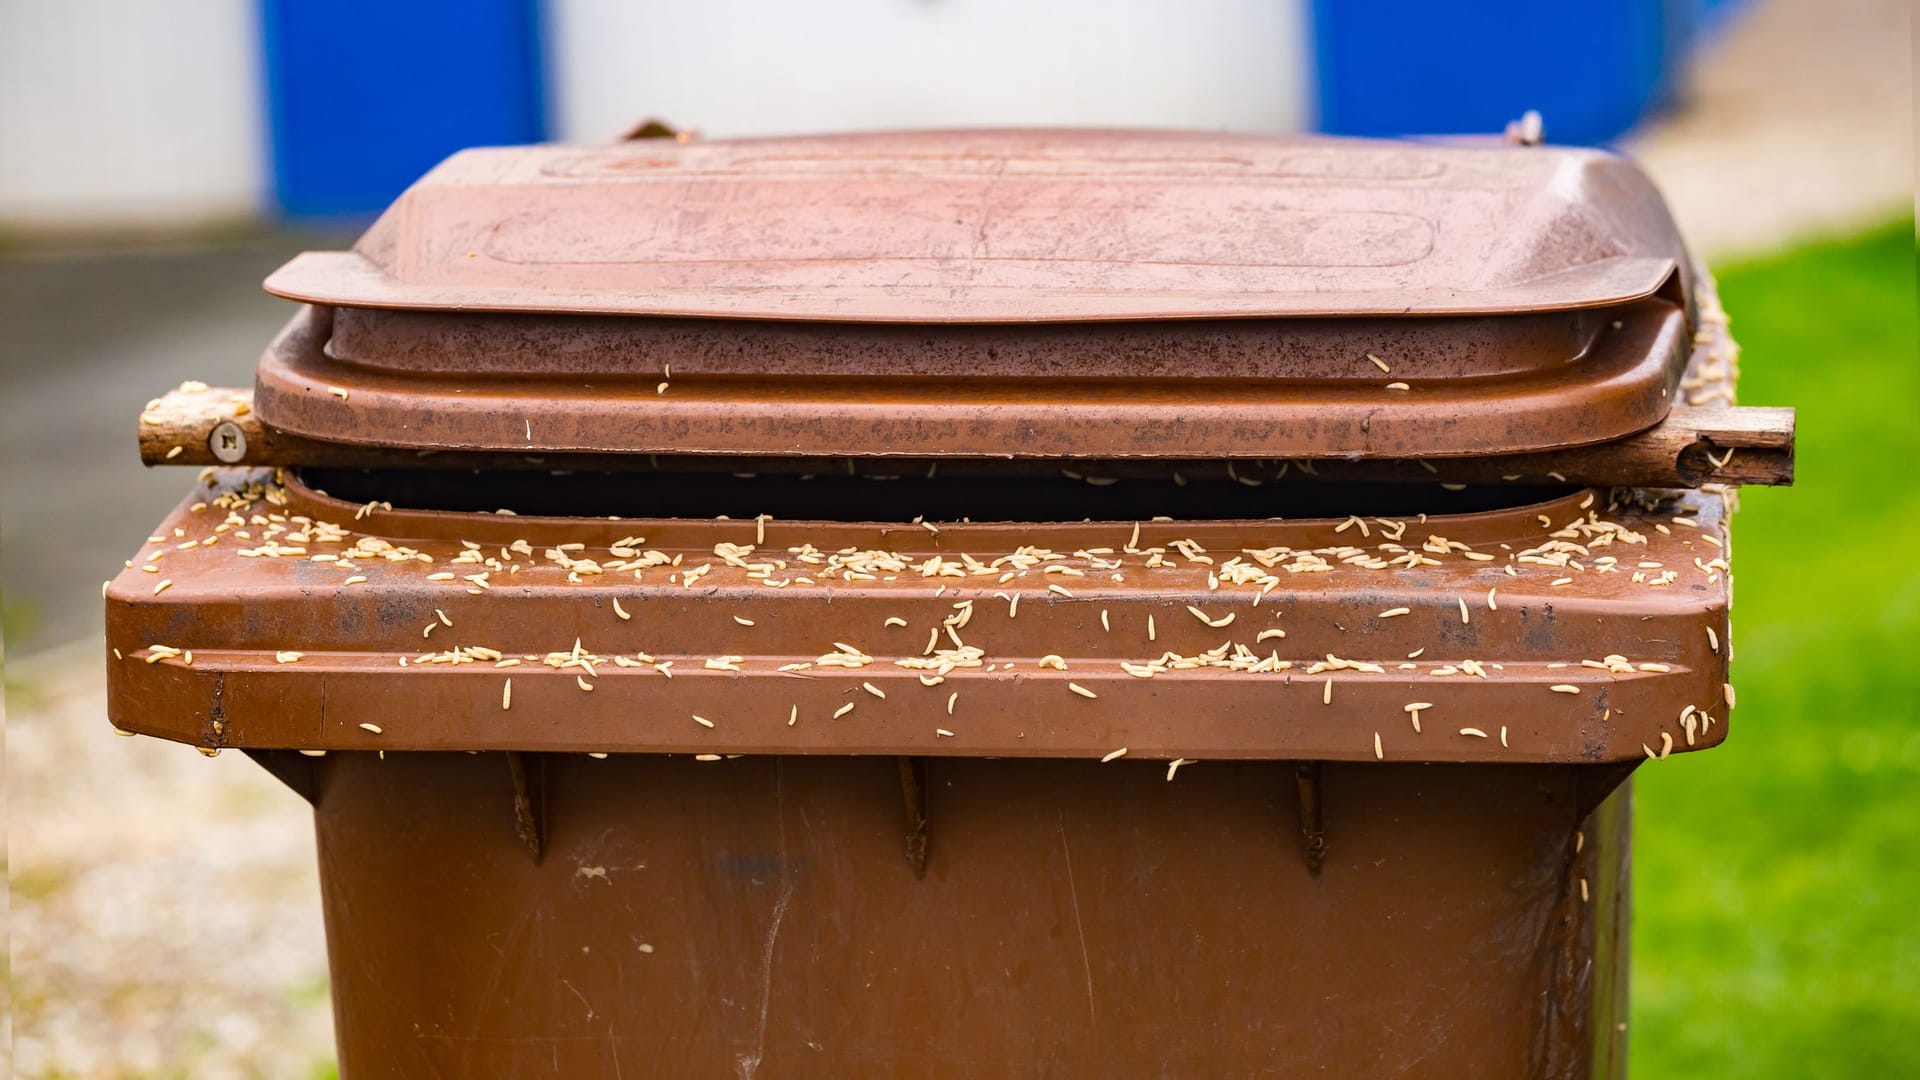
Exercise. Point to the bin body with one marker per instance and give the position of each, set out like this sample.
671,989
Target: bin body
892,605
755,917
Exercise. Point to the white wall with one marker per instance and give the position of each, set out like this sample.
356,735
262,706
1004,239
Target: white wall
734,67
129,112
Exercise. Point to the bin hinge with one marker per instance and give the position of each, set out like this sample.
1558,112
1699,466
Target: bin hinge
529,773
652,127
1313,834
1529,130
913,788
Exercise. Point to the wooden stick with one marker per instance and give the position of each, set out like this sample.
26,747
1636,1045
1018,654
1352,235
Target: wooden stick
1695,445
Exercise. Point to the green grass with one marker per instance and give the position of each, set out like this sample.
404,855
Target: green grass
1776,878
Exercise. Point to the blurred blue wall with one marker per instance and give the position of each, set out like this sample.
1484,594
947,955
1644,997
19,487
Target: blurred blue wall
366,95
1592,68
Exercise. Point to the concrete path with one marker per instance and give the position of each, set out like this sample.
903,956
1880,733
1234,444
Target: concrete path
1799,122
165,907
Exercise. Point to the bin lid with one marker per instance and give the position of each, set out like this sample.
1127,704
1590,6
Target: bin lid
1091,294
1009,226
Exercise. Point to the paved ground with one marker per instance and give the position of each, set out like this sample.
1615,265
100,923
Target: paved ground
1800,123
164,907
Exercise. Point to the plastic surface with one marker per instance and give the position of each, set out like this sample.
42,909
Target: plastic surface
1057,392
1033,294
1449,627
1030,294
1009,226
756,918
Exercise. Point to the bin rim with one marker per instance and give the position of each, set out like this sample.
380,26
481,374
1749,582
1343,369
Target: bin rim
1537,701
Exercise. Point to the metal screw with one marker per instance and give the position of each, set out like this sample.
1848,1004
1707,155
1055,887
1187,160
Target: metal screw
228,442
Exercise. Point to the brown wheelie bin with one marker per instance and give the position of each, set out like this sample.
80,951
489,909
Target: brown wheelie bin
995,603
